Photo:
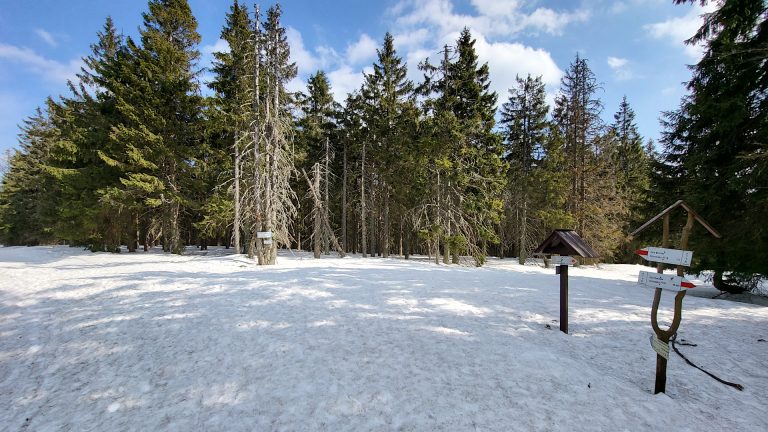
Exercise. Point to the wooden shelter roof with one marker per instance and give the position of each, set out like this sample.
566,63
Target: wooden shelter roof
566,242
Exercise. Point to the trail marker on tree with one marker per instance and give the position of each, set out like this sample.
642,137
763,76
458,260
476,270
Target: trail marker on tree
680,258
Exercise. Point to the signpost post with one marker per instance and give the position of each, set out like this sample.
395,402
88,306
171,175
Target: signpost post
660,281
562,263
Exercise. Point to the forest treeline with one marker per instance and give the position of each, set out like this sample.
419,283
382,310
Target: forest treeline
135,154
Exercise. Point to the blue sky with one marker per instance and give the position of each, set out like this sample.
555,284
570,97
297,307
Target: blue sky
635,47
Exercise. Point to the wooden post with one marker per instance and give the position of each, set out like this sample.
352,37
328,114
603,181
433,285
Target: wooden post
664,241
664,336
684,239
562,270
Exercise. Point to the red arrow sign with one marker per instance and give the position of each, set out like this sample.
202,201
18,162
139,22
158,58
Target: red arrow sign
667,256
666,281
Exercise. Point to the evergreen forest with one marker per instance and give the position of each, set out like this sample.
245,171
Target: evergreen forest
138,153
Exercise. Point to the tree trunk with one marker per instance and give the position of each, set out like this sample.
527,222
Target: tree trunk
363,220
446,252
326,200
523,224
344,201
318,234
236,222
385,231
133,232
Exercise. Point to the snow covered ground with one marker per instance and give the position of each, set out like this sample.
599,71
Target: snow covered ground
146,341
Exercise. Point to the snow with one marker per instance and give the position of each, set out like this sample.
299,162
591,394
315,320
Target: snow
147,341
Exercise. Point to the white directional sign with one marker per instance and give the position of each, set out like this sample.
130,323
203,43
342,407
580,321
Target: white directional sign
267,242
660,347
666,256
264,234
563,260
665,281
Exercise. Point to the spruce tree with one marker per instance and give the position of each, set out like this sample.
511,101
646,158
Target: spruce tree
230,119
317,143
467,167
89,214
633,170
389,101
595,200
577,114
28,197
715,143
525,118
159,105
630,156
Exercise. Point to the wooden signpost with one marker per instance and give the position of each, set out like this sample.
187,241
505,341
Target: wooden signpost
660,341
679,258
560,245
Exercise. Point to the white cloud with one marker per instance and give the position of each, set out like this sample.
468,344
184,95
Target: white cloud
206,61
46,37
494,18
50,70
362,50
305,61
411,39
616,62
344,80
309,61
412,59
678,30
620,67
422,27
296,85
496,7
219,46
553,22
507,60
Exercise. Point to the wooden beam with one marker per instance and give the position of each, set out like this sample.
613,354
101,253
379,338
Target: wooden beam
655,218
667,210
701,220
